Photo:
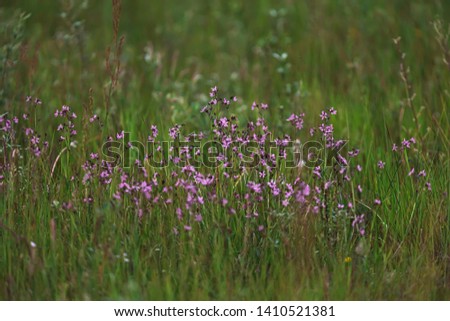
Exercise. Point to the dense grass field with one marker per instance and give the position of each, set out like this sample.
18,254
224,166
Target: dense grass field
359,91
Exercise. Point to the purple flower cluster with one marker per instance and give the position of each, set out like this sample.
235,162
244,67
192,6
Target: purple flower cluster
331,190
216,101
417,175
191,192
296,120
67,126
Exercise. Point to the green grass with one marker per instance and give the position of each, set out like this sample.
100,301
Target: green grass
337,54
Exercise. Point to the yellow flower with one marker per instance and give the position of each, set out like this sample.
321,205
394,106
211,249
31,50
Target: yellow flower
348,259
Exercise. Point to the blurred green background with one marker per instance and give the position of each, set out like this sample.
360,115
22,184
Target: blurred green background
298,56
293,54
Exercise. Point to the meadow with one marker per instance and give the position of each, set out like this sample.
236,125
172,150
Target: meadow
351,203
